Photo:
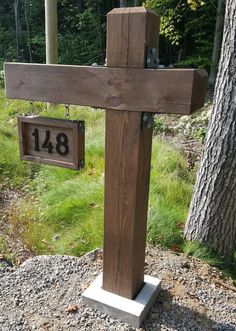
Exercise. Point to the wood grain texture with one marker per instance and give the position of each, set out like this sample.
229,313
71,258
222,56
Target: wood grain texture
131,30
126,199
127,164
75,157
177,91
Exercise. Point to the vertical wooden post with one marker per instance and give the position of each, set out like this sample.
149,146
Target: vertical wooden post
51,31
128,156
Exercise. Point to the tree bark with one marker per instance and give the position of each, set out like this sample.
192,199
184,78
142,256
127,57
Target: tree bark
217,41
212,217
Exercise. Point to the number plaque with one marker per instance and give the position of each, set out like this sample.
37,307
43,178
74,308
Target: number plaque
52,141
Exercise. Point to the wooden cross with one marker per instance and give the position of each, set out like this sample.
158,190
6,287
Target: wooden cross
126,90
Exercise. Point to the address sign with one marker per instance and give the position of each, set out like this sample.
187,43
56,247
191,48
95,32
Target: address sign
52,141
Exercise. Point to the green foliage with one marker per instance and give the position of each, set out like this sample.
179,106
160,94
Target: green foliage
1,78
7,32
187,31
195,4
81,31
186,35
160,126
200,60
188,127
194,126
169,27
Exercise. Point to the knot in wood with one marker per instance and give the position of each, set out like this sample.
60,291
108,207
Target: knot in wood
113,101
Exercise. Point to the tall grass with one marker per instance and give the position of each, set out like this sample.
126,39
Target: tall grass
12,170
170,194
62,210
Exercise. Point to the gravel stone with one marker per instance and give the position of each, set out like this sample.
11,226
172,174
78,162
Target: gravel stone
37,294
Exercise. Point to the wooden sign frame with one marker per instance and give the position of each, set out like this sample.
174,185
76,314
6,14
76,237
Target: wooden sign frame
53,141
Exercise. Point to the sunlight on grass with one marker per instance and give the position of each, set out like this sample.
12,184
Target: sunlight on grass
62,211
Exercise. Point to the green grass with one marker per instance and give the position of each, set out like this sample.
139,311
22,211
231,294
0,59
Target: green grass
193,248
4,249
170,194
62,210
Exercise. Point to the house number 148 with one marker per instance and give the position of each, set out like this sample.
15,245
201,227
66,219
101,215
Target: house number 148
61,146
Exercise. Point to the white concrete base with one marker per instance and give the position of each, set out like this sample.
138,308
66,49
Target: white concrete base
130,311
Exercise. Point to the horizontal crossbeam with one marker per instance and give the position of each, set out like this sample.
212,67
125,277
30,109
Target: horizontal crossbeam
176,91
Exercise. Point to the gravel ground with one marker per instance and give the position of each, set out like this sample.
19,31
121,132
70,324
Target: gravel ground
44,293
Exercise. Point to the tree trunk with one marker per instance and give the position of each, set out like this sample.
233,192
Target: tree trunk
17,25
123,3
51,34
212,217
217,41
51,31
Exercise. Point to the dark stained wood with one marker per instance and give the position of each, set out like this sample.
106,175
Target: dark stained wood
127,164
177,91
143,27
199,87
75,157
126,200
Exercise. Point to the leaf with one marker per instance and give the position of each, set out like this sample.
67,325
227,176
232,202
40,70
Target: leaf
176,248
93,205
71,308
180,225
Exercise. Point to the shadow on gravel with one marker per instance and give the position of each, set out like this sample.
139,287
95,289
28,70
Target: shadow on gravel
166,313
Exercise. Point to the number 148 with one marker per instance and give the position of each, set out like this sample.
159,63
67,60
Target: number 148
61,145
